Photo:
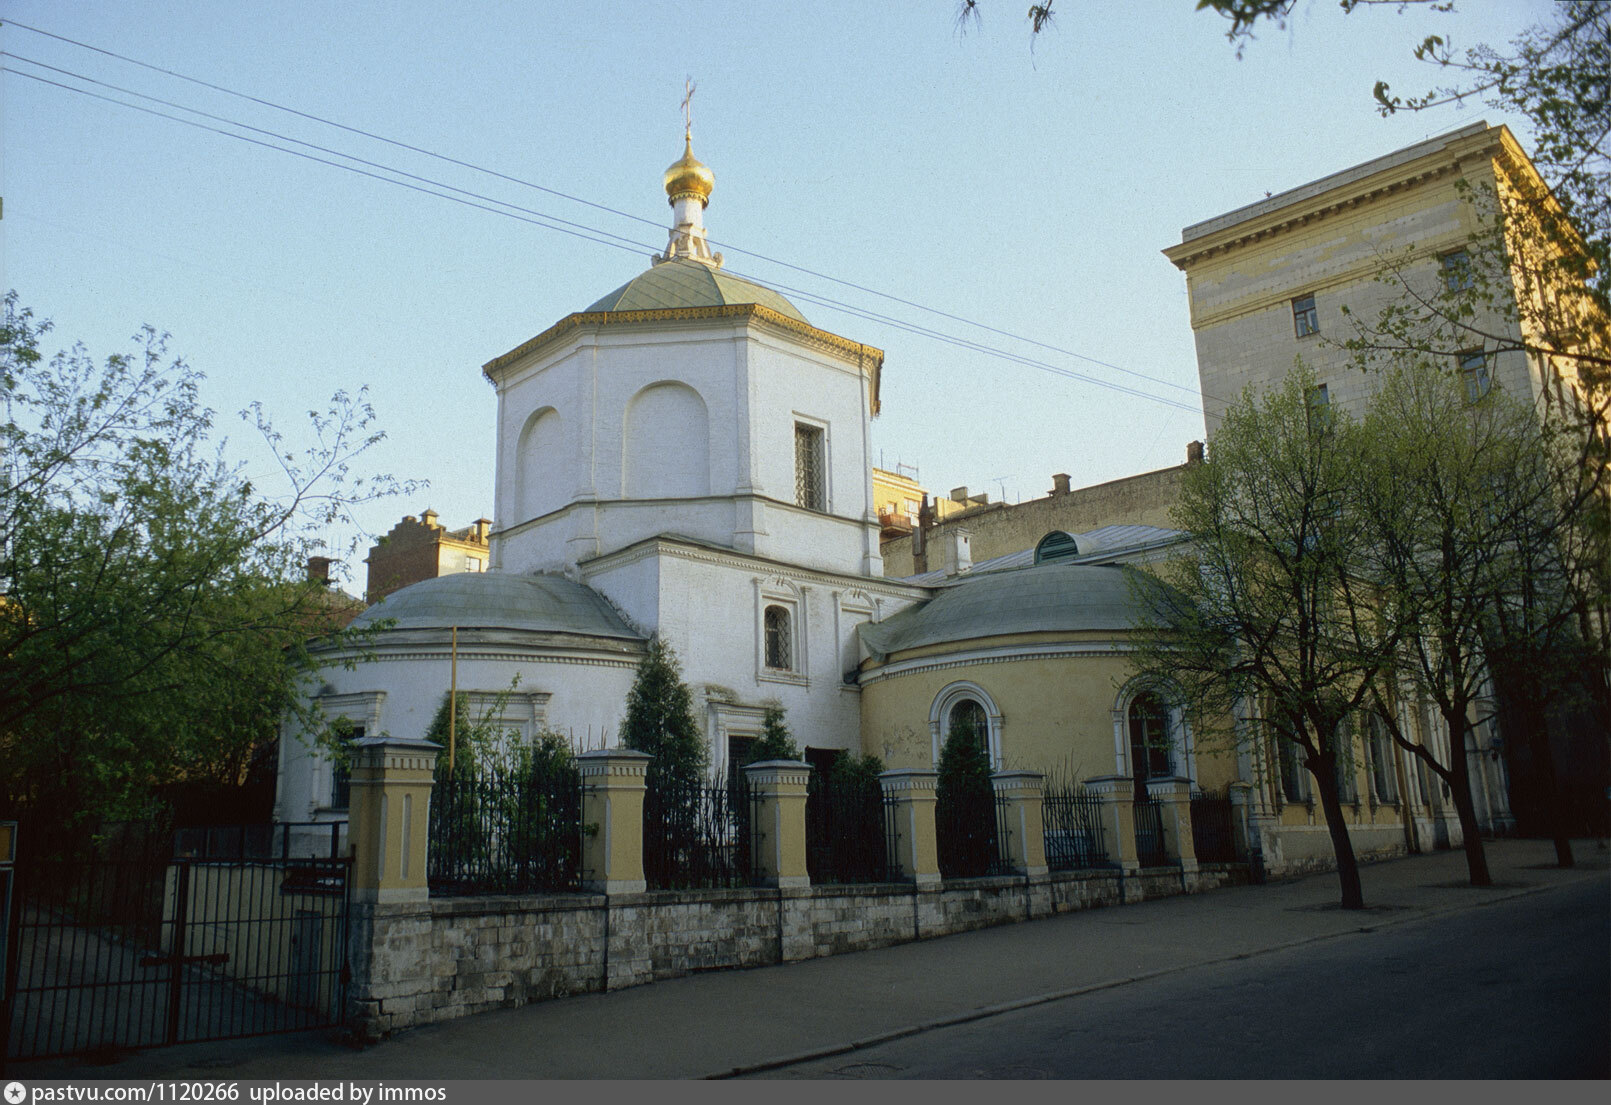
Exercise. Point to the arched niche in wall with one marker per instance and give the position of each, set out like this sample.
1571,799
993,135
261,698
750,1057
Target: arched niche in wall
665,449
540,475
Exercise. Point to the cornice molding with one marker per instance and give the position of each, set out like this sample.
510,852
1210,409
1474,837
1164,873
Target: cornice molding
868,359
748,562
1002,654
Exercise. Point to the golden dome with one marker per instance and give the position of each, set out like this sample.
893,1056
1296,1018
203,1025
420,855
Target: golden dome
689,176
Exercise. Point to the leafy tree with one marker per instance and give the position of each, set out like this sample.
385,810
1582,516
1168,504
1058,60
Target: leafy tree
1454,494
965,807
660,720
775,743
1261,618
850,769
154,610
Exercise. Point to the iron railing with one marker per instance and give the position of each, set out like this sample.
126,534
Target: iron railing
1212,833
1150,849
697,836
847,831
123,941
1075,839
506,831
279,840
970,826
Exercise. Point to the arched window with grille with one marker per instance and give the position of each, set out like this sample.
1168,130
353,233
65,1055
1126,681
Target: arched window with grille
1151,756
779,639
968,717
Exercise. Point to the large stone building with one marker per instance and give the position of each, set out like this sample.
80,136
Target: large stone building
1293,276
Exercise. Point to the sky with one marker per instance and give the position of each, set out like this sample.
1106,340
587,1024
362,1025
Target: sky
1010,198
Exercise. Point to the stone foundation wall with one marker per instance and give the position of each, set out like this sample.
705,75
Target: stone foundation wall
452,957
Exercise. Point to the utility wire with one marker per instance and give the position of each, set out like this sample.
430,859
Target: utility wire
602,207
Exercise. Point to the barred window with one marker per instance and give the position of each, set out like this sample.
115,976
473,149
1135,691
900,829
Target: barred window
1294,777
779,643
810,485
1305,320
1149,739
341,771
969,720
1342,750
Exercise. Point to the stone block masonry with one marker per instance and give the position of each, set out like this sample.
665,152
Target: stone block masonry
418,962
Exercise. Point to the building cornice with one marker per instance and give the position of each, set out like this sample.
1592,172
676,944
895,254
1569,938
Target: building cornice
1344,191
999,654
685,549
868,359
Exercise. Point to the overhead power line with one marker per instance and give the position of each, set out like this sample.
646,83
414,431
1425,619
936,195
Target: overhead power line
554,222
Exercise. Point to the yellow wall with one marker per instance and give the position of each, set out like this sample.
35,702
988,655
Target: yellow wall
1057,711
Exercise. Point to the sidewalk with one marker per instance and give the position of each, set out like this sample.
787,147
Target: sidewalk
712,1023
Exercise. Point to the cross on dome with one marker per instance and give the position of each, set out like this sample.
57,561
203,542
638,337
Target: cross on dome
689,183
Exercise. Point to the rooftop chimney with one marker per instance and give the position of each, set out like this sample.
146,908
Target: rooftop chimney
483,526
959,494
1060,484
429,518
958,551
1194,452
319,570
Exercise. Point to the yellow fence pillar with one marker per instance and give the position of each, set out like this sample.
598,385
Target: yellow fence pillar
1019,814
1174,804
778,821
1117,793
911,822
389,818
612,820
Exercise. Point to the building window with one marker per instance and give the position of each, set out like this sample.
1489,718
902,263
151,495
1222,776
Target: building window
341,769
1457,276
779,641
1304,319
1383,782
1150,753
969,720
810,475
1318,401
1342,751
1474,373
1294,781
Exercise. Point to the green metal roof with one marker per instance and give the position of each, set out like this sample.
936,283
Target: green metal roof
1064,598
674,284
493,600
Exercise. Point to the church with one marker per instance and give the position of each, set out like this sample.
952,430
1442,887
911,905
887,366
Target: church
689,457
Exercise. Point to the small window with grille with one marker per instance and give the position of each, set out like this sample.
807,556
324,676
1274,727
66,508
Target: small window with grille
779,639
341,770
810,476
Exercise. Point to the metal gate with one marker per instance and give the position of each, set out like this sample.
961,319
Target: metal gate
137,938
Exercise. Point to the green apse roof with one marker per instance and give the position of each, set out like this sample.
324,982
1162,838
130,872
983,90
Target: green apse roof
493,600
1046,598
674,284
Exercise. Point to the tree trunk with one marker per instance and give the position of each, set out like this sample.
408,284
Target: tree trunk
1353,894
1460,789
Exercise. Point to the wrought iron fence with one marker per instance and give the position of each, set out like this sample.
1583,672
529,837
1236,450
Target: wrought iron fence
697,836
506,831
847,830
1213,837
278,840
1149,832
1075,839
970,825
123,940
